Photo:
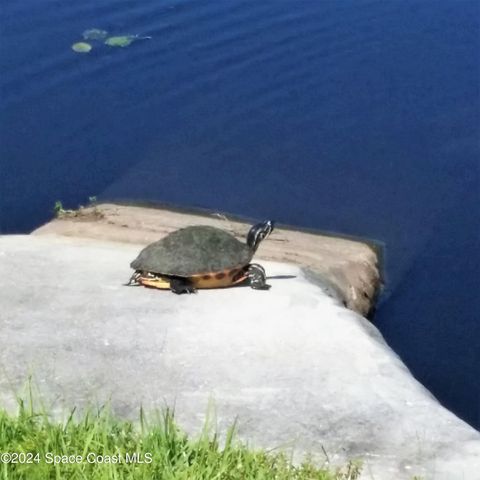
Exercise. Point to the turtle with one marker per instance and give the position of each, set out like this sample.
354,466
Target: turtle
201,256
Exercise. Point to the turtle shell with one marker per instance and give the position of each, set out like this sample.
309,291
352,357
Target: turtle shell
192,251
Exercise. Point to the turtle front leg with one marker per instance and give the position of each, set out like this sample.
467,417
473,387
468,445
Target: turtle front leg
181,285
134,279
257,277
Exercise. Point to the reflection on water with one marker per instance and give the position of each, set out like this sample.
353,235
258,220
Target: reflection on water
355,117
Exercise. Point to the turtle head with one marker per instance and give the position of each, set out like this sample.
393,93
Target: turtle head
259,232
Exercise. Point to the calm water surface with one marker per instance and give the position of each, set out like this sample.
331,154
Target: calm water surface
358,117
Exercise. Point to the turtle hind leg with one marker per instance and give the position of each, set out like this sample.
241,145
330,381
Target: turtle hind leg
257,277
181,285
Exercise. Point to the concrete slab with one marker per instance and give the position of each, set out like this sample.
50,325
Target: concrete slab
348,266
294,366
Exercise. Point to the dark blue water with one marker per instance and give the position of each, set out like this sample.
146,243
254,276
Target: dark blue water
358,117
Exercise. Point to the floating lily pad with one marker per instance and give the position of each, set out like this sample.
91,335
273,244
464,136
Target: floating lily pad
94,34
81,47
120,41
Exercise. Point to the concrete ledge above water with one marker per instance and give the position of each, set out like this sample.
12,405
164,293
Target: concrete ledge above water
348,269
294,366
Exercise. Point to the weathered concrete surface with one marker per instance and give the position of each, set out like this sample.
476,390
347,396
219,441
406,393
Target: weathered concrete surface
297,368
349,267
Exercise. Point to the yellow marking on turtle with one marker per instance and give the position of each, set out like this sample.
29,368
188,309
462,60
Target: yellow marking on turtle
227,278
157,282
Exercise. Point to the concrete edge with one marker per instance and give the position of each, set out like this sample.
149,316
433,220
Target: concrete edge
348,268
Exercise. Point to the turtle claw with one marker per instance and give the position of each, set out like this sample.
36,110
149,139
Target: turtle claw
133,282
258,277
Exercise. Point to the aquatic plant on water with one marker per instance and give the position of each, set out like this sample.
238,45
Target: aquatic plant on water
94,34
123,40
98,35
81,47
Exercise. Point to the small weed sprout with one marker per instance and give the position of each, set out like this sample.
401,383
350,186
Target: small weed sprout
91,211
58,208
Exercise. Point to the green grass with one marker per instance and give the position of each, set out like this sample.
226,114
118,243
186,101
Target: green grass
168,453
